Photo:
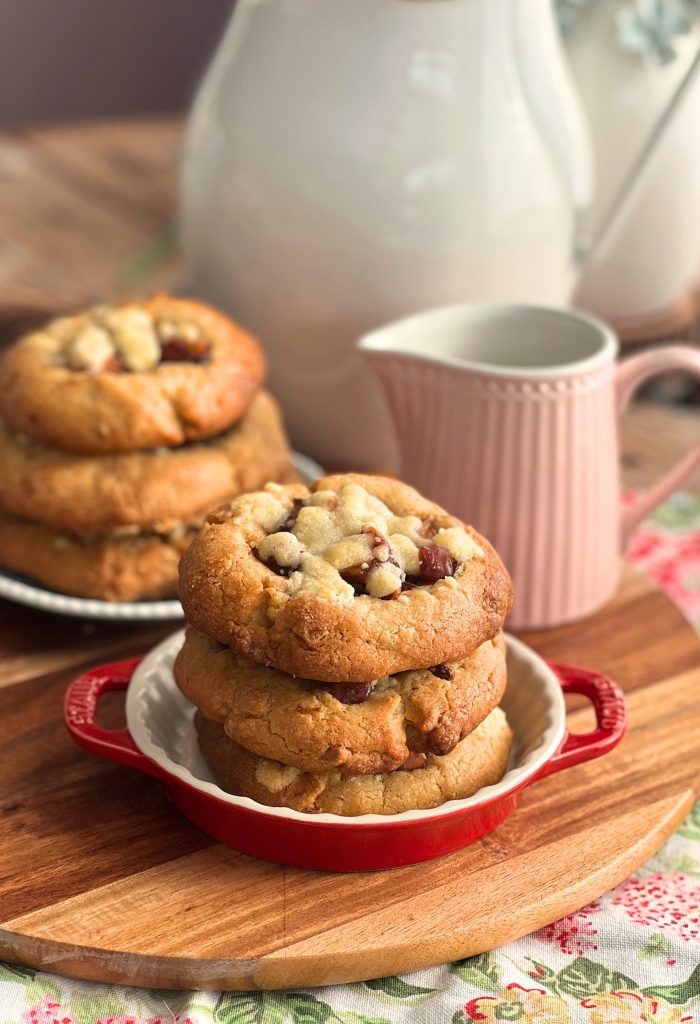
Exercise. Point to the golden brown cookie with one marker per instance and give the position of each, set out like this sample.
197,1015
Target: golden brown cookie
295,721
156,490
352,579
107,568
144,373
479,760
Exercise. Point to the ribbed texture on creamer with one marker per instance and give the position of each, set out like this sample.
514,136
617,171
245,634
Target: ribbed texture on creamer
532,464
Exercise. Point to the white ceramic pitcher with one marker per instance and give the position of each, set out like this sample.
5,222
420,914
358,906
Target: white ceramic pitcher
351,161
632,282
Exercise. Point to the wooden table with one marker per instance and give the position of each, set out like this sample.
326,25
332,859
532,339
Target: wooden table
87,213
102,878
653,438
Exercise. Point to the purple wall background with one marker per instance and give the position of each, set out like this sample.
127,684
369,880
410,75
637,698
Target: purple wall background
69,59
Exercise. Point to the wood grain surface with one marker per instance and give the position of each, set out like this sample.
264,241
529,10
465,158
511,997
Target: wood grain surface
87,212
101,878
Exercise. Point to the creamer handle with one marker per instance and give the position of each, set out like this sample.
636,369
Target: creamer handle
631,374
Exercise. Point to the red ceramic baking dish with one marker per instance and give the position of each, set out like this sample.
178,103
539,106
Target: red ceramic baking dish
160,740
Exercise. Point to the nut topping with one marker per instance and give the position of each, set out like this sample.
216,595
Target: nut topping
351,544
435,564
134,337
91,349
280,552
356,575
380,575
350,693
169,329
442,671
384,580
384,574
183,350
428,527
119,338
414,761
279,570
291,517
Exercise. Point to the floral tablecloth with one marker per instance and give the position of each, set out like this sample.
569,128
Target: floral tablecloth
631,956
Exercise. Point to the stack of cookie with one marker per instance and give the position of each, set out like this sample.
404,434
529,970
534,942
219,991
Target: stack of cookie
121,427
344,648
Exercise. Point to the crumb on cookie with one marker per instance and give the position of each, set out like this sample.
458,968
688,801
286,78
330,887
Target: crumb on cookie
130,338
350,543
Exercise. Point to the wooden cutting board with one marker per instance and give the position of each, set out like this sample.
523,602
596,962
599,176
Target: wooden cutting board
101,878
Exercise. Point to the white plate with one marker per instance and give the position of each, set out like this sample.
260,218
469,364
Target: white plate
160,720
23,591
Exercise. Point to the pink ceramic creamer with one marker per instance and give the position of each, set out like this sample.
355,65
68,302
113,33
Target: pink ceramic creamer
507,416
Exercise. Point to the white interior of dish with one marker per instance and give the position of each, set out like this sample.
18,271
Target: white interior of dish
160,720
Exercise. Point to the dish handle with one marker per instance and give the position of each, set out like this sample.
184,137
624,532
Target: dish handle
610,713
80,710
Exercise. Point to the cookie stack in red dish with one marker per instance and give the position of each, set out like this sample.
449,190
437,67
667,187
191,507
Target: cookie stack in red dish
120,428
344,648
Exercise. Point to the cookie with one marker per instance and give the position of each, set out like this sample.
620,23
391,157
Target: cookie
107,568
155,490
315,729
355,578
158,371
479,760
